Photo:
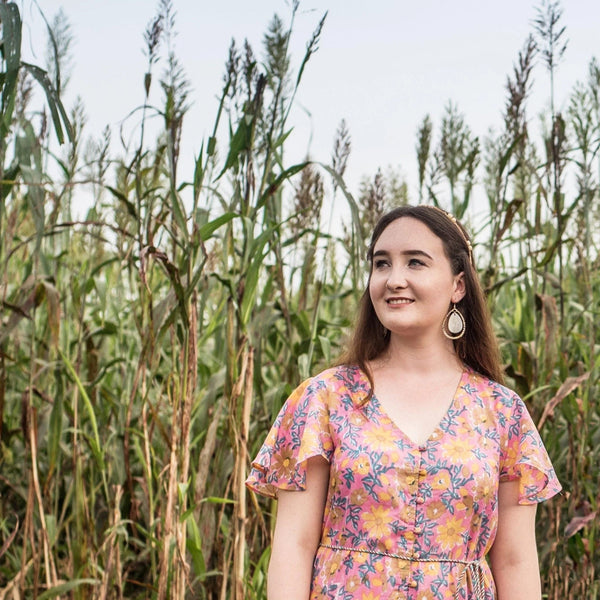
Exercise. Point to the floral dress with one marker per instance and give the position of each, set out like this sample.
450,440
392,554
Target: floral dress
404,521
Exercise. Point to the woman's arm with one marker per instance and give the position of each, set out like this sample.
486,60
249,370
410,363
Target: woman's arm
513,557
297,535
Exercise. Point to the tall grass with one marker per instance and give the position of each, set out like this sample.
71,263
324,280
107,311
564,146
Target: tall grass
145,349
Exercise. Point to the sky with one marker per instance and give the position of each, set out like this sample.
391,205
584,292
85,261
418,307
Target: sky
381,65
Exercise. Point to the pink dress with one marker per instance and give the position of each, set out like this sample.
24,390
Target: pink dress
404,521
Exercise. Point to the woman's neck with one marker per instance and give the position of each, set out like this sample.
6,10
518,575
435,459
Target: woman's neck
419,357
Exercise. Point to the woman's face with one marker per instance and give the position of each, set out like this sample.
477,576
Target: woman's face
412,284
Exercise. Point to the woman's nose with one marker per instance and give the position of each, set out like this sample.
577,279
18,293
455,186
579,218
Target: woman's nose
396,280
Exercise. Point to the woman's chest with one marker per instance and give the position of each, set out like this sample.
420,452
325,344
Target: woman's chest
460,459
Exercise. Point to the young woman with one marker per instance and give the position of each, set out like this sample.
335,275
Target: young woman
408,471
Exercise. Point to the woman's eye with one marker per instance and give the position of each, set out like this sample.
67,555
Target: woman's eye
415,262
379,264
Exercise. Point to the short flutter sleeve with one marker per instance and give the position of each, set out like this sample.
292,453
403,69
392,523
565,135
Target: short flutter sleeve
525,458
300,431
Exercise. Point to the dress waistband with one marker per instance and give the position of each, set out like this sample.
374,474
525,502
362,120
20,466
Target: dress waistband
471,576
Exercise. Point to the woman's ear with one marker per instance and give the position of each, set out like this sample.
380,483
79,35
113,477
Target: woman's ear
459,288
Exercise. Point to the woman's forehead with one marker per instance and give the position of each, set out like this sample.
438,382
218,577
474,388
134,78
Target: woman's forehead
408,232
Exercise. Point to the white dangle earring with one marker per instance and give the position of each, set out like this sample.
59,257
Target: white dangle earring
454,326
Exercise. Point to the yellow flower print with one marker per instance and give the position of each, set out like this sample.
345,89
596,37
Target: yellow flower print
458,449
378,578
334,482
463,426
336,515
334,566
435,510
287,421
379,438
484,489
409,536
352,584
390,497
284,463
528,478
450,533
362,465
359,496
512,455
466,500
357,419
407,512
441,480
310,439
482,416
377,521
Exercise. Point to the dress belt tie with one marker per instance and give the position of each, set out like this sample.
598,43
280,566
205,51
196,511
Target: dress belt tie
472,573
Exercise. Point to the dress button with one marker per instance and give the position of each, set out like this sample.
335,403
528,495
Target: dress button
418,530
412,584
422,448
422,472
420,500
417,555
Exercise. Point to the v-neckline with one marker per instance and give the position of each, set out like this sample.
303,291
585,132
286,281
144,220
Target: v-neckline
439,426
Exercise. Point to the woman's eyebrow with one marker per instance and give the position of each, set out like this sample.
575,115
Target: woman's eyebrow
404,252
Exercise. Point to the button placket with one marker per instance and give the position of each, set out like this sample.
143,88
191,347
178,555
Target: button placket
421,472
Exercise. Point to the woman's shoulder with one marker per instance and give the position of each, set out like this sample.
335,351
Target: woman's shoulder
341,381
339,375
483,386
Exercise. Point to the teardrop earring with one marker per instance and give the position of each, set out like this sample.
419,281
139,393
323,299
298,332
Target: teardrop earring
454,326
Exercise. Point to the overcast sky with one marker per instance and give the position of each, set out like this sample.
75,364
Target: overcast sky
381,65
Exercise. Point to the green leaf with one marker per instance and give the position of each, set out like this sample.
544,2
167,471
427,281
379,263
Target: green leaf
304,366
194,546
95,444
215,500
53,309
325,347
198,174
63,588
10,176
239,142
120,196
209,228
253,273
179,213
57,110
11,53
35,198
509,152
339,181
285,175
212,145
55,426
11,35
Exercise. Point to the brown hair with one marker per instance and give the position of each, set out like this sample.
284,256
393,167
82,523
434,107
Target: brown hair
478,347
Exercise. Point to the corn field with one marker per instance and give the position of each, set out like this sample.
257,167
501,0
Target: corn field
146,347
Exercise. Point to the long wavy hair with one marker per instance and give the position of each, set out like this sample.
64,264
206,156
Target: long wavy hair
478,347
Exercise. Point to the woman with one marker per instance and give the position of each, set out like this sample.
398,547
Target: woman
400,470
